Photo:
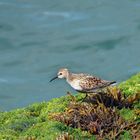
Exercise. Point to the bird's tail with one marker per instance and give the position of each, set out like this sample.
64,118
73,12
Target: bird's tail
113,83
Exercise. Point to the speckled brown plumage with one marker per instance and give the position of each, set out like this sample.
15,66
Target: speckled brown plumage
83,82
92,83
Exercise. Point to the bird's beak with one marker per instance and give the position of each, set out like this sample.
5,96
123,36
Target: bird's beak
54,78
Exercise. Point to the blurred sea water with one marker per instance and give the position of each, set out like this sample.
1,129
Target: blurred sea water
39,37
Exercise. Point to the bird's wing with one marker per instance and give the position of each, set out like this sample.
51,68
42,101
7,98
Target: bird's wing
91,83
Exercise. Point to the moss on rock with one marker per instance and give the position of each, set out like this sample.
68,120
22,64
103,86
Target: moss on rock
33,122
131,86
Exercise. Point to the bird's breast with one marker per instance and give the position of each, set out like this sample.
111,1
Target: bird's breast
75,84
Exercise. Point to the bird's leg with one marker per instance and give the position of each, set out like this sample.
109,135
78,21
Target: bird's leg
68,93
85,97
100,98
72,97
100,93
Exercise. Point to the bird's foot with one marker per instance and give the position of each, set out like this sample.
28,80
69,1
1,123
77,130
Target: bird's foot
84,99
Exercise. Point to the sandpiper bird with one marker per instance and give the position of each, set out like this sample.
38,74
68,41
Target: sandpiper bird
81,82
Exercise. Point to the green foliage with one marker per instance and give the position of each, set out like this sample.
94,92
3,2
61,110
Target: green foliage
33,121
131,86
126,136
128,114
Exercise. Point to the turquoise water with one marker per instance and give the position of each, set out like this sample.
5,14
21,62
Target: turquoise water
37,37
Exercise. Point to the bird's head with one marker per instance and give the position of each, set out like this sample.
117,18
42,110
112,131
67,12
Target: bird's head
62,73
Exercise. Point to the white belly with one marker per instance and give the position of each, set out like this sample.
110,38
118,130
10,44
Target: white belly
75,84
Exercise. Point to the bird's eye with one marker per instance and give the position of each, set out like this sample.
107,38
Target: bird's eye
60,73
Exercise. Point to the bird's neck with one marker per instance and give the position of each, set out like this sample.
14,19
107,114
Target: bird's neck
69,77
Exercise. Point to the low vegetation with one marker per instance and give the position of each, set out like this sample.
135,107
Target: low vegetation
112,114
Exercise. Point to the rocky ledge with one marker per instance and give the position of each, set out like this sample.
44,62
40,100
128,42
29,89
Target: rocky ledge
112,114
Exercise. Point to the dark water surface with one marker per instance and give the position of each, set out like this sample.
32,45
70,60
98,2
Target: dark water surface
37,37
